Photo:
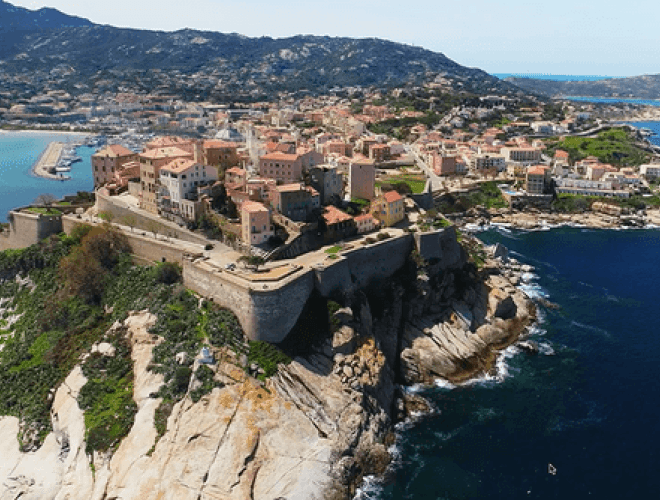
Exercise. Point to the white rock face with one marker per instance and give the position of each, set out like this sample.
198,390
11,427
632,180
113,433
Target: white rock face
240,442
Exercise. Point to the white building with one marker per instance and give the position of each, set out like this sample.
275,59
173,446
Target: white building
179,181
650,171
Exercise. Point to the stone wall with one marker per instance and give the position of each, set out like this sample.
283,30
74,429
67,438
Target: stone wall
358,268
144,246
26,229
144,220
440,245
266,312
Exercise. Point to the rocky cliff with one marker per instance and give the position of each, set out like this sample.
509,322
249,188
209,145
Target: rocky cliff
312,430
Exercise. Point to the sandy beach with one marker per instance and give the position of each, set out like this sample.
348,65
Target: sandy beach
48,160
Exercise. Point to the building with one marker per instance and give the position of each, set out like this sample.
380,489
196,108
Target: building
537,179
151,162
590,188
256,227
482,162
338,225
328,181
388,208
108,161
379,153
292,200
220,154
179,181
288,168
527,155
444,164
650,171
362,179
366,223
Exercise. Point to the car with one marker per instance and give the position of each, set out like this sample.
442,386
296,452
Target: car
231,266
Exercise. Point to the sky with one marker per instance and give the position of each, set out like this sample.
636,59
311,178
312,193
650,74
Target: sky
566,37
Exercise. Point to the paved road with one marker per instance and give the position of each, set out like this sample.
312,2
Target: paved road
436,181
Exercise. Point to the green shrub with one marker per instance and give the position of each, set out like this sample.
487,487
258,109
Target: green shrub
267,357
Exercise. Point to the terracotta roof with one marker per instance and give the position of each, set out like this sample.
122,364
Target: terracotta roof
280,156
164,153
114,150
179,165
236,170
167,141
289,188
333,215
218,145
561,154
366,217
537,170
253,206
392,196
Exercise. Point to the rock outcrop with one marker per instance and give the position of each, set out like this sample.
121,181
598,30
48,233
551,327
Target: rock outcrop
311,431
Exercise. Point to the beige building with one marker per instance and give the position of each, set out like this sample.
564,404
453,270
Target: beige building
362,179
538,178
527,155
255,223
108,161
151,162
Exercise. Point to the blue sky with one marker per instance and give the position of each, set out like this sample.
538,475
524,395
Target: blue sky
507,36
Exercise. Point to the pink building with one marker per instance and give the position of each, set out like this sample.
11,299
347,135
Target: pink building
287,168
255,223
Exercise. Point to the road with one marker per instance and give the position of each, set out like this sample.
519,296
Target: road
436,181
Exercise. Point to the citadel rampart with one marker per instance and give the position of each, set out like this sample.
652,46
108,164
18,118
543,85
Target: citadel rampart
27,228
267,306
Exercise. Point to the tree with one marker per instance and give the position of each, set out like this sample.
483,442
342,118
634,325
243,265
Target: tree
45,199
106,216
129,220
153,227
253,261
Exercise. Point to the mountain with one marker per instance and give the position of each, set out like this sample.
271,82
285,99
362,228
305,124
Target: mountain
46,39
19,18
643,87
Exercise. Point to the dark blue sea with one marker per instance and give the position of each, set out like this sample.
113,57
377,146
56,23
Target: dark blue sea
18,152
588,405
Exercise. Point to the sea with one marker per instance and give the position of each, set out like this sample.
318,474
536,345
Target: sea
18,153
558,78
580,419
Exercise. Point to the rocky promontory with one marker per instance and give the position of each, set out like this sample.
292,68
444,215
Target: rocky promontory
313,429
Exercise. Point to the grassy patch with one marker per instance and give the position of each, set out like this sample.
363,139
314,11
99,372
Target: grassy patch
267,357
487,195
333,250
107,397
43,211
615,146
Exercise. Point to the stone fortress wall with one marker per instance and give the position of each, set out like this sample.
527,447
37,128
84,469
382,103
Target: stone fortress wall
27,229
267,309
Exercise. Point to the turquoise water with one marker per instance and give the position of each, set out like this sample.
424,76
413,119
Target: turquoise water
18,187
588,404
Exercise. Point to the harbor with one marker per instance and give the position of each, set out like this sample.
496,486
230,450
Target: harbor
56,160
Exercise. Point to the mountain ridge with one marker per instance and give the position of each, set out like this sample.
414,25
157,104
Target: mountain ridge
33,42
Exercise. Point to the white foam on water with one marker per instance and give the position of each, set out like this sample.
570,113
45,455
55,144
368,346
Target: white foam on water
545,348
534,291
591,328
370,489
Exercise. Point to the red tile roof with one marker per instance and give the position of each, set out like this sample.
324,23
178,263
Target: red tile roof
333,215
392,196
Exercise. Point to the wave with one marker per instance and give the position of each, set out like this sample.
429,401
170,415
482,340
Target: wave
534,291
591,328
546,349
370,489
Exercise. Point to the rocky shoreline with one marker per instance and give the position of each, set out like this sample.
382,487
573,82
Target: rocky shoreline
539,220
315,429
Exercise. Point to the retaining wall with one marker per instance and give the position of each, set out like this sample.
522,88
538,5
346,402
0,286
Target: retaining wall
144,220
